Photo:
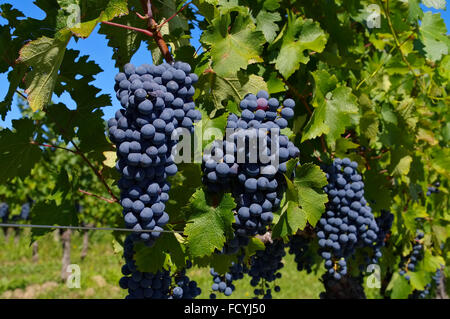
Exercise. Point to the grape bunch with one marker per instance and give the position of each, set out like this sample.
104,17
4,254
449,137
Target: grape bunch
224,283
299,247
250,163
145,285
4,212
185,288
25,211
409,263
265,266
156,101
433,189
348,222
384,222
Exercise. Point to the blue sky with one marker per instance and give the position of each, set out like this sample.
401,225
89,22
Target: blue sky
96,47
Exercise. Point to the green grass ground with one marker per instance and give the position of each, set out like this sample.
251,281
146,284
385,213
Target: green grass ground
20,277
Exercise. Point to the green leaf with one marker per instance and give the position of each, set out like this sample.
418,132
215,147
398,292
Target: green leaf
433,35
14,79
212,129
114,8
233,45
414,11
62,188
17,155
403,165
49,213
431,263
400,287
418,279
123,41
266,22
166,251
441,161
44,56
183,186
305,199
275,84
300,35
437,4
220,262
213,90
334,108
309,181
208,226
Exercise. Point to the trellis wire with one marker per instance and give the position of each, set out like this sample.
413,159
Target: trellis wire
89,228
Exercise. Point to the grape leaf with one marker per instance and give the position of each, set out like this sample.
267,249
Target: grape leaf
266,22
433,35
400,287
298,36
305,200
17,155
212,129
213,89
49,213
292,218
418,279
167,250
183,186
44,56
220,262
123,41
113,8
437,4
110,159
208,226
309,181
233,45
334,108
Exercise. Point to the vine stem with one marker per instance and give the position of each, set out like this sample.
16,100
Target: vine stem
96,172
174,15
98,196
397,42
152,26
53,146
150,34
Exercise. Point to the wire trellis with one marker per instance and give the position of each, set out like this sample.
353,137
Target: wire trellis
88,228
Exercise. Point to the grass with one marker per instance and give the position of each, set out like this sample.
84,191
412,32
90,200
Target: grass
20,277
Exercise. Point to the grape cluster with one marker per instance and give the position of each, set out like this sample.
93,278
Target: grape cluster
409,263
348,222
224,283
185,288
384,222
4,212
25,211
156,101
432,286
265,266
145,285
244,163
299,247
433,189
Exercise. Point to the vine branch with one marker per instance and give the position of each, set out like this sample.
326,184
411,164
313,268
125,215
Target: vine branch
96,172
54,146
150,34
174,15
98,196
152,26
